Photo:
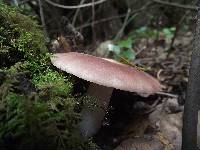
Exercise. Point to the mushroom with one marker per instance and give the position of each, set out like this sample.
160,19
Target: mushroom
104,75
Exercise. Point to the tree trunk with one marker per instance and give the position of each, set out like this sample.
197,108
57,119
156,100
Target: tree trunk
190,116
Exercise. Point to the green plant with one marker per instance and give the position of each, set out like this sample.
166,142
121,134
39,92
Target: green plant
122,49
20,37
35,119
147,32
52,79
37,108
168,32
143,32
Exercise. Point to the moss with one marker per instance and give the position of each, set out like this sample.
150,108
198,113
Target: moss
37,123
20,37
39,118
51,79
37,108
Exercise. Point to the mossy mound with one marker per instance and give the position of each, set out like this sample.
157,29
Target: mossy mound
20,37
32,119
36,105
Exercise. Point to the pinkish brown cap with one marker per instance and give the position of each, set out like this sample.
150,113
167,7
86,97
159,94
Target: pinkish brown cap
106,72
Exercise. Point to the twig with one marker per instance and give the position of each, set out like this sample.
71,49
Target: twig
112,17
128,20
101,21
177,29
93,20
138,50
42,19
120,32
178,25
141,9
167,94
76,34
76,13
175,5
75,6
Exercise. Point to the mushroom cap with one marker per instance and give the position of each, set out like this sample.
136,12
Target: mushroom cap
106,72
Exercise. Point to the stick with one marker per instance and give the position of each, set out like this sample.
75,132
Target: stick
76,13
75,6
42,19
176,5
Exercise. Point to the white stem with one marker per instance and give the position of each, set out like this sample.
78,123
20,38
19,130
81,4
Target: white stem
92,118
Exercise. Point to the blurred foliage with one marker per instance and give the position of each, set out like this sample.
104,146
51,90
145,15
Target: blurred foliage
147,32
36,105
123,49
143,32
168,32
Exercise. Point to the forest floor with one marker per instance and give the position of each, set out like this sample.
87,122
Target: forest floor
155,122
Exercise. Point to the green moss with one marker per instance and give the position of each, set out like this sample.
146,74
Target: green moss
37,109
36,123
51,79
20,37
39,119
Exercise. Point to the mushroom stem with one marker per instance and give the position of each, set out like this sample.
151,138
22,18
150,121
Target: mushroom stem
92,117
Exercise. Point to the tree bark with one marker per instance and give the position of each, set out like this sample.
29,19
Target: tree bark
190,116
